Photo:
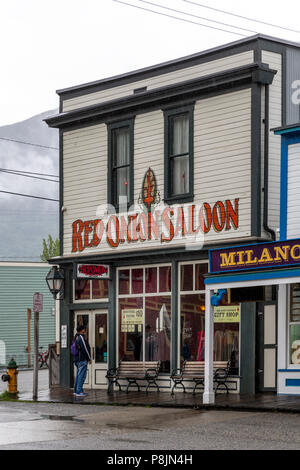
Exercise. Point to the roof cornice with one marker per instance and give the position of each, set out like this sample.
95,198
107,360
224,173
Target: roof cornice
190,89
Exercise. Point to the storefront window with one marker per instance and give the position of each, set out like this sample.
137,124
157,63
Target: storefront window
124,281
82,289
145,315
294,324
192,321
151,280
87,290
99,289
158,330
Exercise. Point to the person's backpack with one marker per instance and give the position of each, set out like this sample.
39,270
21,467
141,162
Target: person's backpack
75,348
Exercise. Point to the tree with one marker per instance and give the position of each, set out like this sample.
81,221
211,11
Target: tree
50,249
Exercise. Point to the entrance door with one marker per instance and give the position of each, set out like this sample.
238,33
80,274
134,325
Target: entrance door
266,347
95,322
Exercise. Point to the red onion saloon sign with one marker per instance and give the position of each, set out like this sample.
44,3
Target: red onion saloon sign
163,225
153,223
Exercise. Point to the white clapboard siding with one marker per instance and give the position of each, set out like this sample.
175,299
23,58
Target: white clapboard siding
222,164
275,119
293,196
85,176
222,155
160,80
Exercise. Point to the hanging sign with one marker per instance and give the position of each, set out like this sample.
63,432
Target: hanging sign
262,255
227,314
92,271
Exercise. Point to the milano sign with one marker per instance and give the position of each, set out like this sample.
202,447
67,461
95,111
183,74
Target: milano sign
262,255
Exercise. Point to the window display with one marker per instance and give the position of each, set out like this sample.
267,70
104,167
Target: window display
192,321
144,306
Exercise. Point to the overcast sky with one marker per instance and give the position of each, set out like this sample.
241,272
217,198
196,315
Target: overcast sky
49,45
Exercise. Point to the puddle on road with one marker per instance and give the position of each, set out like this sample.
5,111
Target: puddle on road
61,418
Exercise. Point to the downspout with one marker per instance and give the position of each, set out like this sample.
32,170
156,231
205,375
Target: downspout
266,167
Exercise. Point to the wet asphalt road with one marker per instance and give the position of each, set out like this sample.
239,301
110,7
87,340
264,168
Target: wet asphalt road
44,426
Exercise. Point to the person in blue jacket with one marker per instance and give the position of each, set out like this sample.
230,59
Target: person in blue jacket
81,360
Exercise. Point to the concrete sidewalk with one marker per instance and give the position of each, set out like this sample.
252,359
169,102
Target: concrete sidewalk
259,402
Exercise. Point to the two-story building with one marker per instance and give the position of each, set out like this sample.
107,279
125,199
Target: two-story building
157,167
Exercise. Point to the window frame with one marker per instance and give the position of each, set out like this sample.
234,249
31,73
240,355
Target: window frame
91,298
111,188
169,115
141,295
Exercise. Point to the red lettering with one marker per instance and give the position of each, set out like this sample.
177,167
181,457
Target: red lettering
168,223
77,228
232,215
205,208
113,243
219,216
98,231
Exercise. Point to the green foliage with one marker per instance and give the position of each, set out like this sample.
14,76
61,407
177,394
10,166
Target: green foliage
50,248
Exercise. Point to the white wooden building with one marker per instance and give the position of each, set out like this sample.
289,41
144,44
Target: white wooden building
157,167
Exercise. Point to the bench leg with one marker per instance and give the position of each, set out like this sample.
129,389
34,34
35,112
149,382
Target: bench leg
177,382
132,382
111,382
150,382
197,382
224,384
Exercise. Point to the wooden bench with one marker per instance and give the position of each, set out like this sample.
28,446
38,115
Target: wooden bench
194,370
133,372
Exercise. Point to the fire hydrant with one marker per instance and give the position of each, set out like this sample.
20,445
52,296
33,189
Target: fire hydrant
11,377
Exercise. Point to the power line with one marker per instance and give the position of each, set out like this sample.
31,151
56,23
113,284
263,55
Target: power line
240,16
28,176
28,143
200,17
28,195
29,172
176,18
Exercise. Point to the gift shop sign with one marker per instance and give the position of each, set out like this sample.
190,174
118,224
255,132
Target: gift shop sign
262,255
162,225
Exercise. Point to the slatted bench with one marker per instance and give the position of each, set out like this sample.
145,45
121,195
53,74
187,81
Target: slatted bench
133,372
194,370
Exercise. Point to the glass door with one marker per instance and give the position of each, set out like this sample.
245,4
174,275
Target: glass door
95,322
84,318
99,349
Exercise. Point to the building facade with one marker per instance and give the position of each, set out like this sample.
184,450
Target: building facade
18,282
157,167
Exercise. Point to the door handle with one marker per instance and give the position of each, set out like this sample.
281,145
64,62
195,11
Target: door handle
93,354
260,371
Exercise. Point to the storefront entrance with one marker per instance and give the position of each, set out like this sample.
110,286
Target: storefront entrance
95,322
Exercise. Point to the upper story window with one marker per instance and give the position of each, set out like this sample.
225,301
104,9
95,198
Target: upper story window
120,163
179,128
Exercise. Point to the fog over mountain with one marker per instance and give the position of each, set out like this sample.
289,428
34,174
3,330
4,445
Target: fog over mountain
26,221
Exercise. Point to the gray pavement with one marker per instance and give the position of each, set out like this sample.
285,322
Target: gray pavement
53,426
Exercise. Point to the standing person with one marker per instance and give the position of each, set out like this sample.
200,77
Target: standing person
81,360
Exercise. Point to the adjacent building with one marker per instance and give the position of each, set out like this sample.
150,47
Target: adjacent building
18,282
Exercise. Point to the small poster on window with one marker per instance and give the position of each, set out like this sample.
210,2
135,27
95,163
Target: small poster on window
227,314
132,317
